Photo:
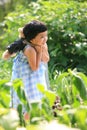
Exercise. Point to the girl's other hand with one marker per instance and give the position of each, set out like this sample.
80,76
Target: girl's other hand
38,49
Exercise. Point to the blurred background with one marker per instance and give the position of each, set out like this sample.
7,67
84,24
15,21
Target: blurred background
67,44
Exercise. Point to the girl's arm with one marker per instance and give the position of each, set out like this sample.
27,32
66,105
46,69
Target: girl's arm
33,56
6,55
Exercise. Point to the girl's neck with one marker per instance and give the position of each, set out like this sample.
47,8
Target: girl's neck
33,44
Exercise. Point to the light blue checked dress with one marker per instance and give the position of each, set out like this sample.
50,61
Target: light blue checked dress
21,69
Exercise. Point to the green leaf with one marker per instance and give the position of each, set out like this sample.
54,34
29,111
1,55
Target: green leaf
17,83
41,88
51,96
80,82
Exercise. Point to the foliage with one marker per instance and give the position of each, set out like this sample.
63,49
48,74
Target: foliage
4,94
74,117
5,69
9,6
24,104
73,104
67,25
71,87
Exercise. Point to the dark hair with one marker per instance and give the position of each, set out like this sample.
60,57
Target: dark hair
31,29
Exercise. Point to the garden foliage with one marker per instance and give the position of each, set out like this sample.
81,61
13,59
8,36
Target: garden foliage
67,25
67,43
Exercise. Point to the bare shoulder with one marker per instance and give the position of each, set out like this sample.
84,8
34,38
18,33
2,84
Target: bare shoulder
29,50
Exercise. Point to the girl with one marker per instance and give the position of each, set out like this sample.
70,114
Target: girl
30,64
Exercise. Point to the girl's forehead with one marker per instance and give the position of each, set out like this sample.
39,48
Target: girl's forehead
43,33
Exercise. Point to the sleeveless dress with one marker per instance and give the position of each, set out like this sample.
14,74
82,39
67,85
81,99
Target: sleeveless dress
22,70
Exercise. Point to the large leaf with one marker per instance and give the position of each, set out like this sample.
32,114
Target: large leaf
80,81
49,94
81,87
4,93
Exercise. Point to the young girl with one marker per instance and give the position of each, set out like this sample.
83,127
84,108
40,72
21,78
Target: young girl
30,64
20,44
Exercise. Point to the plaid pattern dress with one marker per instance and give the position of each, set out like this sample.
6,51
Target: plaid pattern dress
22,70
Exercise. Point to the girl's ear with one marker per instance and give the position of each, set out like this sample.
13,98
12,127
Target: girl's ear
21,35
31,41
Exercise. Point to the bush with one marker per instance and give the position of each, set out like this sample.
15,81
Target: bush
67,25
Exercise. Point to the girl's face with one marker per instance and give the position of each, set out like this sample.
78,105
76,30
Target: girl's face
40,39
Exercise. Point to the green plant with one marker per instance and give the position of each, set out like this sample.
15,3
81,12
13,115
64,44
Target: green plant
4,94
5,69
66,28
71,87
67,25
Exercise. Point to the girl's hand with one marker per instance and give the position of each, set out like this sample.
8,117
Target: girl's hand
45,54
6,55
38,49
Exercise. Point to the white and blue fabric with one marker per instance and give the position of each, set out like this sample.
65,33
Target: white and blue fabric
22,70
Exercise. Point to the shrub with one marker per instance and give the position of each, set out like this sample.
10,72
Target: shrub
67,25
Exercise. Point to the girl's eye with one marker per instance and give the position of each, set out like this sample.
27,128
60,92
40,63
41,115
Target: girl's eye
42,36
